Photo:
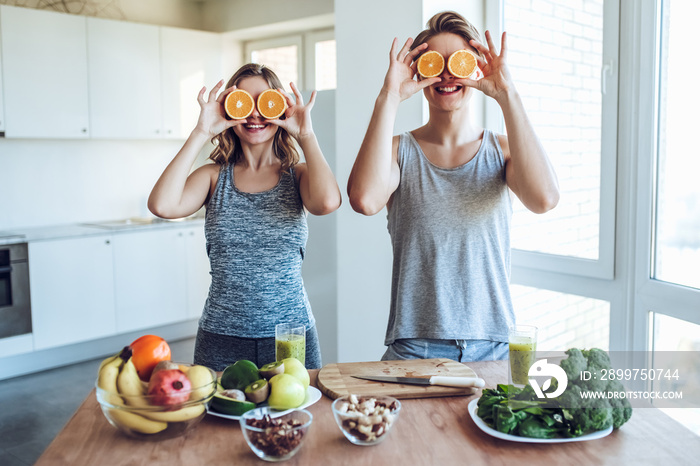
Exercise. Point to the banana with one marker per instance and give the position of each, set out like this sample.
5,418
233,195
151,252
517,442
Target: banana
201,379
106,361
130,386
135,422
107,381
184,414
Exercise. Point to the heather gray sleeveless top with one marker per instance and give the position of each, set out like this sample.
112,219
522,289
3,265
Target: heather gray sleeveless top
256,244
450,233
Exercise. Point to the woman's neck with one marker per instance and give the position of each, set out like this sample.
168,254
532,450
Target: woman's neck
450,128
257,157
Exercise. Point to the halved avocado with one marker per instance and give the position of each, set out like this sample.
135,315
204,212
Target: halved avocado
226,405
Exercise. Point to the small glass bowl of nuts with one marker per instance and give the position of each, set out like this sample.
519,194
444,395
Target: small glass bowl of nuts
273,437
366,420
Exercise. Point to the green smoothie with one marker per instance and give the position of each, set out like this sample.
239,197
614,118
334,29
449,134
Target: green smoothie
291,346
522,356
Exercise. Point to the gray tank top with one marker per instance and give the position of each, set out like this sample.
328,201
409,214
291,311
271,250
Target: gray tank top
450,234
256,244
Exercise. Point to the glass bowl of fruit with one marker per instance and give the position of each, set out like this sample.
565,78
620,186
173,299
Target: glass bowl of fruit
170,403
366,420
273,437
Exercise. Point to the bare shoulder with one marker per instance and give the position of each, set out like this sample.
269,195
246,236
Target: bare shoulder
300,170
395,147
503,142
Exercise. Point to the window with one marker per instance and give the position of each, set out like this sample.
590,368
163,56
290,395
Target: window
307,60
677,219
557,55
563,320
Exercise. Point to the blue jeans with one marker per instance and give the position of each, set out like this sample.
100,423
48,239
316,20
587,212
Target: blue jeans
457,350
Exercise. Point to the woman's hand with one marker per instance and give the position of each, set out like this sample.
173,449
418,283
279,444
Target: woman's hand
297,117
496,82
212,116
399,80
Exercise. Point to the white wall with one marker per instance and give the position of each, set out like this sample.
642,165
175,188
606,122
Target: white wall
231,15
364,254
320,263
49,182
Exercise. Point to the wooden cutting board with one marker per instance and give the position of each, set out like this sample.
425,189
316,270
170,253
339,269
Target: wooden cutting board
335,380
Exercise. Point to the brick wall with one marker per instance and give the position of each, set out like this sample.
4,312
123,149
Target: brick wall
555,56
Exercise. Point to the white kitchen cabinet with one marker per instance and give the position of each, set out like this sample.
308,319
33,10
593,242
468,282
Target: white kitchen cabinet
198,270
124,76
72,290
189,60
149,278
44,65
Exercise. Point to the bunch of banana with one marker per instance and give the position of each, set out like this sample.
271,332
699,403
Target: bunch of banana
110,379
119,379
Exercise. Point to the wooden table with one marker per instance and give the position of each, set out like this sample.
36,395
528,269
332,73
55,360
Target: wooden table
430,431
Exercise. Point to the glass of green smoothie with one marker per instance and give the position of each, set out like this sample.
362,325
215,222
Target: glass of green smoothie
522,344
290,341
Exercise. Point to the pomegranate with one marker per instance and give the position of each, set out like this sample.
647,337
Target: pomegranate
169,387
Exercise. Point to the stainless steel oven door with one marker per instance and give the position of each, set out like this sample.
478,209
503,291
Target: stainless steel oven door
15,304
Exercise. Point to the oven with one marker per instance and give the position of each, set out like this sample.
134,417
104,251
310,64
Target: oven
15,304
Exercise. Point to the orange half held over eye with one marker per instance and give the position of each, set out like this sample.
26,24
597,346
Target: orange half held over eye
462,64
430,64
239,104
271,104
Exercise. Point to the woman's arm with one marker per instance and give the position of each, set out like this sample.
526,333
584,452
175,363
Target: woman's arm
317,186
529,172
375,174
177,193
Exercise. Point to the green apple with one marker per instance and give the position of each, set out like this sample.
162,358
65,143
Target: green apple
295,368
286,392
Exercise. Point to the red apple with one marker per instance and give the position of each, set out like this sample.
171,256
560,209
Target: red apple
169,387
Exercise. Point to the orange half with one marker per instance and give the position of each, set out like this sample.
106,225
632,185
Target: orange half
239,104
271,104
462,64
430,64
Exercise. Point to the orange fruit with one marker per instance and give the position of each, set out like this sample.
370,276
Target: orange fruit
239,104
430,64
271,104
462,64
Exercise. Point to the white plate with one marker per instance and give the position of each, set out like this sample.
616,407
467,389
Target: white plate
313,394
514,438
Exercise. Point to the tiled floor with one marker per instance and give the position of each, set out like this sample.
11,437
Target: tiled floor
34,408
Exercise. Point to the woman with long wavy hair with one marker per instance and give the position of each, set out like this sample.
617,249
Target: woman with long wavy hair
257,195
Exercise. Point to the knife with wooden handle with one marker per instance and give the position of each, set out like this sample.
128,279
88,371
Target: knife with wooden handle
444,380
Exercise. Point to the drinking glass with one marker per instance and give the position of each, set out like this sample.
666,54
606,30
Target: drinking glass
522,344
290,341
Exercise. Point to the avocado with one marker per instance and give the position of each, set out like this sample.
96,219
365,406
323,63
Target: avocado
226,405
239,375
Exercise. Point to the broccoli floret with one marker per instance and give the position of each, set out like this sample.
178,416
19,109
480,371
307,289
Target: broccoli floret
587,414
574,364
584,414
597,360
621,408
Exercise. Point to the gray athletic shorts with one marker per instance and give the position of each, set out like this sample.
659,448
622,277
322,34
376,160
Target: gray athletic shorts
219,351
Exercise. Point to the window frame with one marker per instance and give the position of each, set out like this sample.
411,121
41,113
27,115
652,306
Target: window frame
651,294
306,51
632,291
280,41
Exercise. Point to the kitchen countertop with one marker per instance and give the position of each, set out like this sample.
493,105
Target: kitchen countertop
430,431
74,230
